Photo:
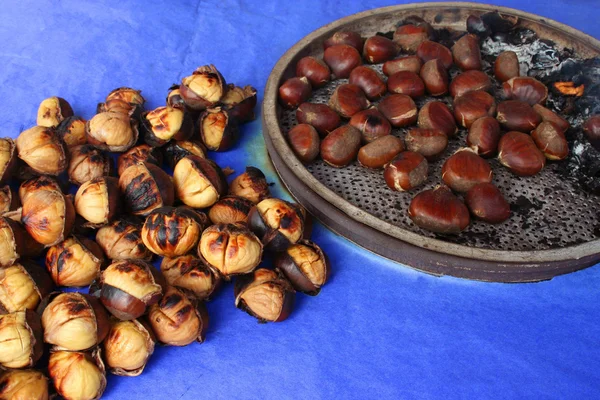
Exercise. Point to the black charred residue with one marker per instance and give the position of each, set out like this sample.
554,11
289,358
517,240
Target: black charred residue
184,311
173,226
120,226
141,193
124,267
133,236
254,173
76,306
389,35
171,300
286,221
373,121
62,259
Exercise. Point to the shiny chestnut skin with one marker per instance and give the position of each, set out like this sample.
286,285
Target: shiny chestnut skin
406,82
315,70
484,135
369,81
350,38
430,143
517,151
550,116
304,141
342,59
294,92
341,146
137,154
551,141
437,115
277,223
439,210
473,105
506,66
470,81
406,63
320,116
466,53
399,109
380,151
371,124
487,203
527,89
464,169
435,77
406,171
378,49
265,294
305,265
515,115
410,36
348,99
429,50
591,128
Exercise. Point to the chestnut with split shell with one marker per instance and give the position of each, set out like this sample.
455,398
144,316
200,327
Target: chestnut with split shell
22,286
21,340
74,262
191,274
464,169
230,210
139,154
166,123
87,163
24,384
175,150
204,88
127,347
199,183
121,240
439,210
72,131
240,102
52,111
112,131
305,266
15,242
8,159
251,185
146,187
407,171
217,129
77,375
98,200
277,223
43,150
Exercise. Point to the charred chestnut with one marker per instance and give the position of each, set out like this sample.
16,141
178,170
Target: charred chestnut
43,150
466,53
378,49
435,77
439,211
342,59
146,187
86,163
315,70
251,185
526,89
72,131
217,129
240,103
122,240
175,150
369,81
77,375
199,182
139,154
551,141
380,151
191,274
294,92
22,341
52,111
113,131
487,203
406,82
506,66
15,242
515,115
430,143
22,286
305,265
204,88
74,262
473,105
464,169
437,115
517,151
98,200
320,116
277,223
470,81
230,210
406,63
344,37
484,135
24,384
166,123
405,172
371,124
127,347
8,158
304,141
399,109
341,146
348,99
265,295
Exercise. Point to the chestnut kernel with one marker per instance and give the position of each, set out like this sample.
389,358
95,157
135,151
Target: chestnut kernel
517,151
473,105
437,115
240,103
8,159
9,200
430,143
22,342
342,59
294,92
439,210
341,146
304,141
378,49
87,163
122,240
146,187
344,37
371,123
315,70
406,63
112,131
265,295
410,36
591,128
526,89
230,210
127,347
464,169
348,99
77,375
435,77
399,109
551,141
22,286
369,81
484,135
74,262
217,129
277,223
15,242
515,115
487,203
204,88
406,82
320,116
380,151
138,154
177,149
53,111
192,275
550,116
174,98
506,66
470,81
24,384
429,50
166,123
466,53
72,131
252,185
305,265
43,150
199,182
98,200
405,172
128,95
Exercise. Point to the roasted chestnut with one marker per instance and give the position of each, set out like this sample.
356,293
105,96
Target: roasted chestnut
86,163
98,200
8,159
410,36
74,262
487,203
166,123
473,105
139,154
517,151
470,81
378,49
380,151
43,150
430,143
174,98
350,38
230,248
240,103
526,89
550,116
371,124
399,109
439,211
506,66
406,63
484,135
74,321
129,287
315,70
305,265
464,169
191,274
217,129
304,141
146,187
72,131
175,150
348,99
230,210
9,200
551,141
342,59
405,172
429,50
22,286
128,95
77,375
265,295
21,339
277,223
199,182
437,115
119,106
127,347
24,384
294,92
369,81
251,185
121,240
53,111
515,115
113,131
435,77
204,88
466,53
406,82
341,146
591,128
320,116
15,242
172,232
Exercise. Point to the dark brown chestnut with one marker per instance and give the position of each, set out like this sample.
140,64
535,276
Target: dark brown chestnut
406,82
378,49
166,123
429,50
174,98
294,92
551,141
72,131
348,99
437,115
137,154
86,163
230,210
341,146
304,141
369,81
146,187
191,274
266,295
198,182
320,116
342,59
204,88
251,185
527,89
484,135
515,115
305,265
407,171
473,105
487,203
406,63
430,143
240,102
506,66
435,77
517,152
371,124
380,151
464,169
439,210
466,53
410,36
399,109
470,81
277,223
350,38
175,150
591,128
550,116
315,70
217,129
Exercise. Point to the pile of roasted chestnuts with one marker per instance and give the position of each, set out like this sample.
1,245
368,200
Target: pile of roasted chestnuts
105,236
357,121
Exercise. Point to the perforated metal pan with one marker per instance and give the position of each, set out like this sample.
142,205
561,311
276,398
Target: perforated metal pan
554,226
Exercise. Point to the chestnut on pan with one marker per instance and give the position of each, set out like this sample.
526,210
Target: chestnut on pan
380,151
399,109
320,116
487,203
407,171
341,146
437,115
439,210
342,59
314,69
350,38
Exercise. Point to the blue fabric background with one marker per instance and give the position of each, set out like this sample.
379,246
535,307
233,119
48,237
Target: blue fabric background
377,330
